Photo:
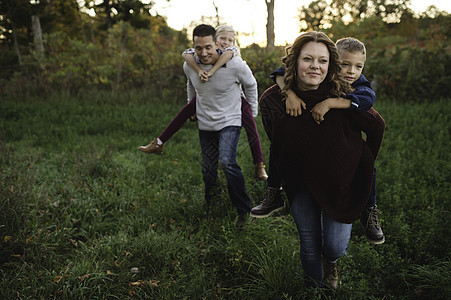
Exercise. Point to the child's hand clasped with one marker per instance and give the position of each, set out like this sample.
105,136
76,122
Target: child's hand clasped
203,75
319,110
294,106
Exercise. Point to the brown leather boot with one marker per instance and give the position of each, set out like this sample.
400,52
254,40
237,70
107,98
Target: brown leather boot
330,274
260,172
153,147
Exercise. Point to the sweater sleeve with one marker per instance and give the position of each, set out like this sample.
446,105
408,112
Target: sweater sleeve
362,99
372,123
190,91
279,72
249,84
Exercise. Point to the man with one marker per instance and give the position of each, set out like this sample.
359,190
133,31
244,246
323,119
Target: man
218,108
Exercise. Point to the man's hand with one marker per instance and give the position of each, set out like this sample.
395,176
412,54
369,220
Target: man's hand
319,110
294,105
193,118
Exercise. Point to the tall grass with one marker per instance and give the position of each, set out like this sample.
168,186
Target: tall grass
81,207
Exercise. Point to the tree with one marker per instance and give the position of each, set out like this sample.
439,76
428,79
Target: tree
322,13
217,13
62,16
313,16
109,12
270,36
9,15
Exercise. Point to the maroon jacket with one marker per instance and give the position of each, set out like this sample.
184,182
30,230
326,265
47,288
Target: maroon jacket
331,159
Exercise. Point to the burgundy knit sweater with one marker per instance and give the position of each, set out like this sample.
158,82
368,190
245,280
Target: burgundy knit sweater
331,159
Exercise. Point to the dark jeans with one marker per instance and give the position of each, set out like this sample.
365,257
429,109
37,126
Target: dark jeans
222,145
246,116
319,234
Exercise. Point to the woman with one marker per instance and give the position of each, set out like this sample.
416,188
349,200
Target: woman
327,168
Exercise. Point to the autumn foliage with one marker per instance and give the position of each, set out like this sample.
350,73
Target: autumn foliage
408,60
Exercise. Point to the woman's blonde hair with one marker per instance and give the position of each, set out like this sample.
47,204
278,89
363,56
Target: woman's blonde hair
339,87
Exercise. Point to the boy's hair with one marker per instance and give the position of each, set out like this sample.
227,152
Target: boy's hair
350,44
203,30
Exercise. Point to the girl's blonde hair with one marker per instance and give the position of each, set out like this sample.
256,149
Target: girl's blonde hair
227,28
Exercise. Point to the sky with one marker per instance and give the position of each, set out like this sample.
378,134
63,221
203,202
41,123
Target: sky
248,17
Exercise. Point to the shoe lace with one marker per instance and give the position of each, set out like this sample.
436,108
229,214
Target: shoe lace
268,196
372,217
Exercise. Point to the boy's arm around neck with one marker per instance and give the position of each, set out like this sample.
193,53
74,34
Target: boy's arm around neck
362,99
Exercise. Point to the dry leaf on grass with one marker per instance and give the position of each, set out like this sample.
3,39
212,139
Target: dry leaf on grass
73,242
143,283
83,277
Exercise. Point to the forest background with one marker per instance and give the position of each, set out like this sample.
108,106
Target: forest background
85,215
124,47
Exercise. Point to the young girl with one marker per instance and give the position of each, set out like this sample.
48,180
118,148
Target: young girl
225,40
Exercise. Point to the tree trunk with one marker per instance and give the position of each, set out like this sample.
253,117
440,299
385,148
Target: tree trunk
109,20
37,36
217,13
16,44
270,36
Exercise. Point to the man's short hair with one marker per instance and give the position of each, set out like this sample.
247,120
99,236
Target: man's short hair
204,30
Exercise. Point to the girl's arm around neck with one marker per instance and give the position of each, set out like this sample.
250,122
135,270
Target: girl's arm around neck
191,61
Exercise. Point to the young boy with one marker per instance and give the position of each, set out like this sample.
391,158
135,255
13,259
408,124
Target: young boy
353,57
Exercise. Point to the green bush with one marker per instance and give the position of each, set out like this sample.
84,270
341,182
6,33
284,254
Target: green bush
410,73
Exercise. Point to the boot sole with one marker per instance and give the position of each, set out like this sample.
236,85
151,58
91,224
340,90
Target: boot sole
268,214
376,242
153,152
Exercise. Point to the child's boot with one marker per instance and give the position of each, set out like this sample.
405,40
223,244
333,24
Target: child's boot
154,147
260,172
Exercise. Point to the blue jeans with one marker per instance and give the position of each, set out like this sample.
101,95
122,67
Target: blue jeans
320,235
222,145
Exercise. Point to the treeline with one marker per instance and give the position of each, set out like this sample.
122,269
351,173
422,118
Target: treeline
133,50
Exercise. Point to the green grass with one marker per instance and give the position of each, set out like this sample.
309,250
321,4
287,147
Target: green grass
81,207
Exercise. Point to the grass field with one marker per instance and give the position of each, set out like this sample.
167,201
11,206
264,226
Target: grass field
84,215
